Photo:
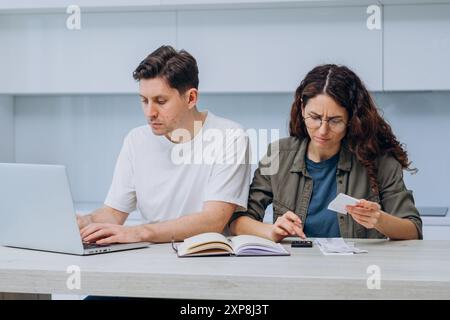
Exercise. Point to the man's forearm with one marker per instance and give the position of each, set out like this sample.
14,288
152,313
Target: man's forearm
247,225
183,227
107,215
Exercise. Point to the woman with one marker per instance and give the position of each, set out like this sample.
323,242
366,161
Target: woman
338,143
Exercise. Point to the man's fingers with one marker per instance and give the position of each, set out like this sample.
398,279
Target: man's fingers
102,233
89,230
81,221
93,227
109,240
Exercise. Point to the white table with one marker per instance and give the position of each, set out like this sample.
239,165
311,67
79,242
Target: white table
409,270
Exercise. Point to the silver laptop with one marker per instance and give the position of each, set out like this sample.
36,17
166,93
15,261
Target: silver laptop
37,212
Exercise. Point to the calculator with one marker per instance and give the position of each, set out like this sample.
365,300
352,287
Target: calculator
302,244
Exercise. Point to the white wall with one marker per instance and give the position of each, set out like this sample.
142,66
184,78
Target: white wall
6,129
40,55
421,120
270,50
245,50
417,47
83,132
86,132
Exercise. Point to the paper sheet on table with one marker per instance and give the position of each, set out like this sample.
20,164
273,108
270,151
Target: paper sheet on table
337,246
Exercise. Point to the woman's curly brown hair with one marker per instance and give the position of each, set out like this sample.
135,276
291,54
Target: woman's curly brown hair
368,135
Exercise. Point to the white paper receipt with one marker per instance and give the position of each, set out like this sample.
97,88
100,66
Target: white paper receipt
339,203
337,246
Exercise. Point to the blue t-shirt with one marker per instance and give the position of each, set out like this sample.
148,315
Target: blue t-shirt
321,222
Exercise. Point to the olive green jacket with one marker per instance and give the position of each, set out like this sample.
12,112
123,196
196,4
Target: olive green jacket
289,187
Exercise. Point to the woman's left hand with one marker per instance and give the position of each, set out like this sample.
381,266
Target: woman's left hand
366,213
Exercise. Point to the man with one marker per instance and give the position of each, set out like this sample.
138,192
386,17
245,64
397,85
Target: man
166,169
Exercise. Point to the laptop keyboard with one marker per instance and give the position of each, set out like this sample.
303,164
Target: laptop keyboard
94,245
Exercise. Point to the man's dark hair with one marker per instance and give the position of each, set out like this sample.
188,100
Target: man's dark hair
178,68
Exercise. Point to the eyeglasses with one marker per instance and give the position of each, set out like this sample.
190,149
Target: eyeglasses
336,125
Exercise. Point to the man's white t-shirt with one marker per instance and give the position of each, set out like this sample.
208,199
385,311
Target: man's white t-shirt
165,181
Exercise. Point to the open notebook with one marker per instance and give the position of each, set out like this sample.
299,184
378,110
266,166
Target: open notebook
211,244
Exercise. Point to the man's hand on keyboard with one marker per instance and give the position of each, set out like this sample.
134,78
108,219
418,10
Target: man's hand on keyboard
106,233
83,221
